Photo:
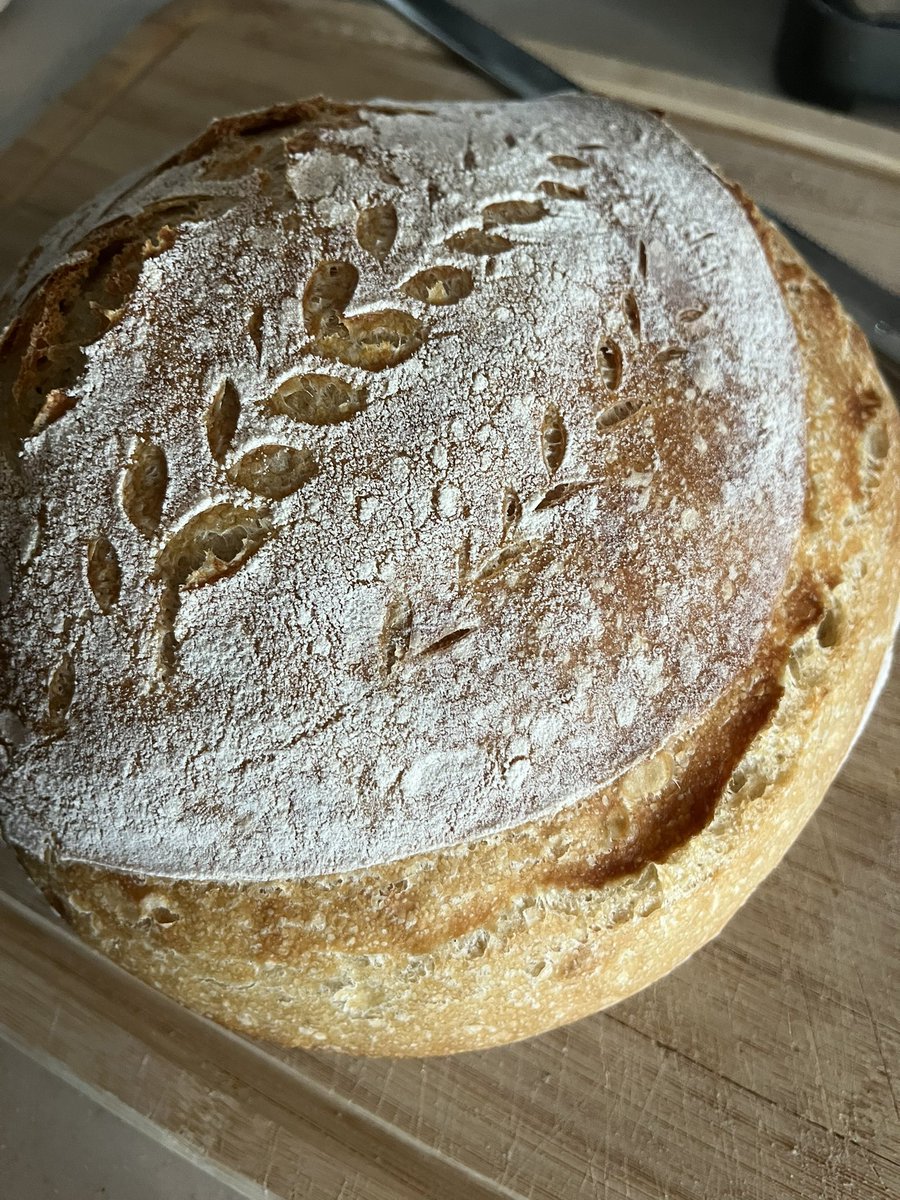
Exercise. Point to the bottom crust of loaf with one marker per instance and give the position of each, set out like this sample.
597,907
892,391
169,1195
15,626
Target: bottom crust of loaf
514,934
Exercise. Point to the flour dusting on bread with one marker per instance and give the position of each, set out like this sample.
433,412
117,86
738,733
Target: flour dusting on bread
383,478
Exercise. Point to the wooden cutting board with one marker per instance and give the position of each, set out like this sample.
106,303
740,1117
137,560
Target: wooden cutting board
763,1068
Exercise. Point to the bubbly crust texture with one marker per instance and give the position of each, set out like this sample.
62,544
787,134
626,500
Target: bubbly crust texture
398,476
568,903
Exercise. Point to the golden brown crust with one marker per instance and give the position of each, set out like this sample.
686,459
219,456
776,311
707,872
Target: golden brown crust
542,572
512,934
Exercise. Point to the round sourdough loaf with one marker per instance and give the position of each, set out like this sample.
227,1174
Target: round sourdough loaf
446,554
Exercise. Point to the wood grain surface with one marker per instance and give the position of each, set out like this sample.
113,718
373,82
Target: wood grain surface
766,1066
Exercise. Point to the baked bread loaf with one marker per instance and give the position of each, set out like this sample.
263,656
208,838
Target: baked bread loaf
447,553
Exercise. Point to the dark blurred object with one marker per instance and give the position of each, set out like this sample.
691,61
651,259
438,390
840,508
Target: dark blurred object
832,52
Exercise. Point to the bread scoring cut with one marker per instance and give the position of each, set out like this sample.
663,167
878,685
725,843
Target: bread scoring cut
432,468
260,442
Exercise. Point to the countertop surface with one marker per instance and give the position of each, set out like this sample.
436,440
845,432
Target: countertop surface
55,1141
47,45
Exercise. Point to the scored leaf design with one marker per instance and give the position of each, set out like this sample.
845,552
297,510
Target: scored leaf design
499,561
478,241
513,212
440,285
327,293
670,354
61,688
615,414
688,316
164,630
396,631
274,471
144,487
642,258
632,313
561,191
212,544
609,363
511,508
376,230
446,641
316,400
561,493
568,162
373,341
554,439
103,572
222,418
255,328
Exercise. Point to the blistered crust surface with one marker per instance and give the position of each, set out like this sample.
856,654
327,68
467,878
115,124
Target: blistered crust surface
421,472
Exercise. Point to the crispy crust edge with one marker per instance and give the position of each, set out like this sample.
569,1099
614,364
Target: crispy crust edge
515,934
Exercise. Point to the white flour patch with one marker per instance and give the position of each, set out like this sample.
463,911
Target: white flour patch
595,423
